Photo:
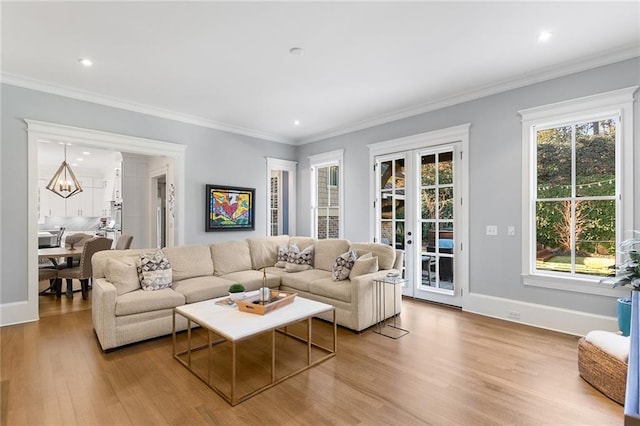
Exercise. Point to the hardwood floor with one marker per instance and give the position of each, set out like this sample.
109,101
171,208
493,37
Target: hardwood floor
453,368
49,305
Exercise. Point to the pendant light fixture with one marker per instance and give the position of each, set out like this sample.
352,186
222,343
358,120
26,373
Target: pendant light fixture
64,183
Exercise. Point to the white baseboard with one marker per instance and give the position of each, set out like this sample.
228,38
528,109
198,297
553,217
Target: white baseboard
548,317
18,313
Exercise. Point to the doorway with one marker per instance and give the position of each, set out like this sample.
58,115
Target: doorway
418,207
159,210
281,201
37,130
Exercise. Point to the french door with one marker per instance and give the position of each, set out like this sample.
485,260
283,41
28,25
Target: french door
418,210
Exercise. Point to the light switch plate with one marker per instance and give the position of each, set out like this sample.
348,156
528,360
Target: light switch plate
492,230
511,231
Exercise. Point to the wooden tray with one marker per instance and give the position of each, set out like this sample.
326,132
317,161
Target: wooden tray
278,300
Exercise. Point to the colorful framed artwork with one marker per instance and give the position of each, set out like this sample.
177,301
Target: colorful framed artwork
230,208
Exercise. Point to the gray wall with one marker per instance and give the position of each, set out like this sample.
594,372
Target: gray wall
212,156
495,177
222,158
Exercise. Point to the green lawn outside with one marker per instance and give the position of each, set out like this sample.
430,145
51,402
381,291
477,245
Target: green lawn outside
584,265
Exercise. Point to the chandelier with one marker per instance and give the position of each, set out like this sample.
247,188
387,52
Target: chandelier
64,183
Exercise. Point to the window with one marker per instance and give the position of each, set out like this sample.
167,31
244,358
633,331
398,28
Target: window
577,193
326,195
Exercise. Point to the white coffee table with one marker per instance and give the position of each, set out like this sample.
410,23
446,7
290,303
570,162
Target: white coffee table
234,326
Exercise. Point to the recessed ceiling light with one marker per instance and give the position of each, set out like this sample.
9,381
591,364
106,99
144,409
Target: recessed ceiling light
86,153
79,159
74,164
296,122
544,36
85,61
297,51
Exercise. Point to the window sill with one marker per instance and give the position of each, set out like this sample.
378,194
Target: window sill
577,285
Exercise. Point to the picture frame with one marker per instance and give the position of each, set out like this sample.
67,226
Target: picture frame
229,208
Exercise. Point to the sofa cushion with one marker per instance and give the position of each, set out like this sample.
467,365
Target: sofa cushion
326,287
189,261
154,271
198,289
264,251
366,264
386,254
300,280
327,251
230,256
299,260
99,259
252,280
139,301
302,242
343,265
123,274
274,270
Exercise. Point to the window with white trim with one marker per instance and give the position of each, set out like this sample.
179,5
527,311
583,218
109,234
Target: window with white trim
327,220
577,188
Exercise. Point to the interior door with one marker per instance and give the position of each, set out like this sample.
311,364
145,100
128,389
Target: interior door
416,204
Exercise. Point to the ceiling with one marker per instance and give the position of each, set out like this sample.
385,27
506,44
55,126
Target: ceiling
227,65
51,154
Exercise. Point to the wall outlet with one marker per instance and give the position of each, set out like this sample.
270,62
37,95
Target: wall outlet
513,314
511,231
492,230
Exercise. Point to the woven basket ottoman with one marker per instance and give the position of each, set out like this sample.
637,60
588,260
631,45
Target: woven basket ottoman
603,364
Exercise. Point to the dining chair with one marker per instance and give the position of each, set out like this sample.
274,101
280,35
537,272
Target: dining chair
50,274
84,270
76,240
124,242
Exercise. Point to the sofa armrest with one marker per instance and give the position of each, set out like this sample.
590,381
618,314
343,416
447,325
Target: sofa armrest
103,312
364,283
363,294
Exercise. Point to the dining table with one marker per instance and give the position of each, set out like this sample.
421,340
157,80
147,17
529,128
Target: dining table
55,253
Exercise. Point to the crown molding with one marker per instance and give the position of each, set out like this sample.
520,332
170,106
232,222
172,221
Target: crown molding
43,86
536,76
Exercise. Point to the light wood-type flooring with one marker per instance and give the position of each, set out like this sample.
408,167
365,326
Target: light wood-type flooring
453,368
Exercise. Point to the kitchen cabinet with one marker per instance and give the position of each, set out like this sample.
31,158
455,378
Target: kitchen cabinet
49,203
89,202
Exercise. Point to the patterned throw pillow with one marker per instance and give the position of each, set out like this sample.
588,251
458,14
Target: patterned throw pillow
154,271
283,256
343,264
299,260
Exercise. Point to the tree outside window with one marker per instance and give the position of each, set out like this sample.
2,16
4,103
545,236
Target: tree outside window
575,202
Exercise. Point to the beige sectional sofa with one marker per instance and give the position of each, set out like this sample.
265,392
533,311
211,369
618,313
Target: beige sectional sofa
123,313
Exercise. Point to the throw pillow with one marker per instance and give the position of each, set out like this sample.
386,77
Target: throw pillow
122,274
154,271
283,256
364,265
299,260
343,265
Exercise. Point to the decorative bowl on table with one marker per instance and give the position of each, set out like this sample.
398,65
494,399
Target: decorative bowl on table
237,296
